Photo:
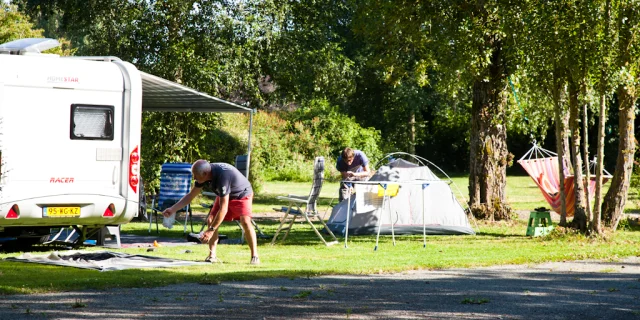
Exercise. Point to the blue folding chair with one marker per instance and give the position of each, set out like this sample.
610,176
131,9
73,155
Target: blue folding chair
175,183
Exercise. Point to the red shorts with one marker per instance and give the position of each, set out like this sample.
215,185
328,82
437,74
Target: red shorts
237,208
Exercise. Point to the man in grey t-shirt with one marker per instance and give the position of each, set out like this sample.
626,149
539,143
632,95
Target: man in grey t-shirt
234,202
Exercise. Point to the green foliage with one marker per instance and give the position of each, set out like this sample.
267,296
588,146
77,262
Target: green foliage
624,224
337,129
283,149
215,48
274,148
180,137
15,25
309,58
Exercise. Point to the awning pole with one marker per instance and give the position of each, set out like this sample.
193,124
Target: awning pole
250,130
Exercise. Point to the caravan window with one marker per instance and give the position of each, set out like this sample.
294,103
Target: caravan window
91,122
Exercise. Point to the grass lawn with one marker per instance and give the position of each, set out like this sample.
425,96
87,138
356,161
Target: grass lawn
522,194
304,255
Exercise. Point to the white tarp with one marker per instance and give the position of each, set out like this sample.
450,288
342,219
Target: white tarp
102,260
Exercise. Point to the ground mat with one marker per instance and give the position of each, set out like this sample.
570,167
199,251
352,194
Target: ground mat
102,260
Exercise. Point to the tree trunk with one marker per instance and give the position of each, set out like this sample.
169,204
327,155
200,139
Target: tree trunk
585,158
580,217
596,225
561,137
614,200
412,133
616,197
488,146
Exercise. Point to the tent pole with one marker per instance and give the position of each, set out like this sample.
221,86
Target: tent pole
384,198
393,234
424,224
346,228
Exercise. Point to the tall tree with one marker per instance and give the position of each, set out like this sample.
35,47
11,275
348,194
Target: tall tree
604,83
465,42
309,56
574,45
627,22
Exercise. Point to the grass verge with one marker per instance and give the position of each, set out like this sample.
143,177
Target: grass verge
302,255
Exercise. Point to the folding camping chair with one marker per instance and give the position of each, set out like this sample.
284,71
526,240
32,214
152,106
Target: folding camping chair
242,164
310,206
175,183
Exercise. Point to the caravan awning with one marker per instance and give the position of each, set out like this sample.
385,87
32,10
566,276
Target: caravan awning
163,95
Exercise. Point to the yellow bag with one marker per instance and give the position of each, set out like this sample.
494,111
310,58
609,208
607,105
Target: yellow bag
392,190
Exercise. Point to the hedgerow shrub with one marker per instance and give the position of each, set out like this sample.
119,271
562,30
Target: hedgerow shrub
283,145
339,130
280,154
180,137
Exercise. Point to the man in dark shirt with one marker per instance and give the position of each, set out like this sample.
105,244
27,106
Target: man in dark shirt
352,165
234,202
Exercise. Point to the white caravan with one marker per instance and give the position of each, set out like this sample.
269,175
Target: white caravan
69,141
70,138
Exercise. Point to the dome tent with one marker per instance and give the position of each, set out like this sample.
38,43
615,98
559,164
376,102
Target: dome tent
418,188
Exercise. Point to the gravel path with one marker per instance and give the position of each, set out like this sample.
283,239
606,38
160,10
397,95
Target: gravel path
562,290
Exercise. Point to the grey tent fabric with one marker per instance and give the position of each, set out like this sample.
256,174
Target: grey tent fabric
401,163
102,260
420,193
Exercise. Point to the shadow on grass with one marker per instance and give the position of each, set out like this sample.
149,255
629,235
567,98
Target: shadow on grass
132,278
535,295
272,200
14,247
301,233
501,235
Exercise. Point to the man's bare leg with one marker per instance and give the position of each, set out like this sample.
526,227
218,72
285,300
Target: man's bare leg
250,235
211,237
213,244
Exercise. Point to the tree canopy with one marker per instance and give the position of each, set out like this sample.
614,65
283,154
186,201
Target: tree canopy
468,84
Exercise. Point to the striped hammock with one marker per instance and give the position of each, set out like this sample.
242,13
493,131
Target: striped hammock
542,166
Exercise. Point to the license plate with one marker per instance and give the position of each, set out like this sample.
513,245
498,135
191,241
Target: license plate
61,212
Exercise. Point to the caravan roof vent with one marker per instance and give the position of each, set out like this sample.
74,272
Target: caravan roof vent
28,45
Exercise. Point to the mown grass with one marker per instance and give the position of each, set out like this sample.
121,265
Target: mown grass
522,194
303,255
